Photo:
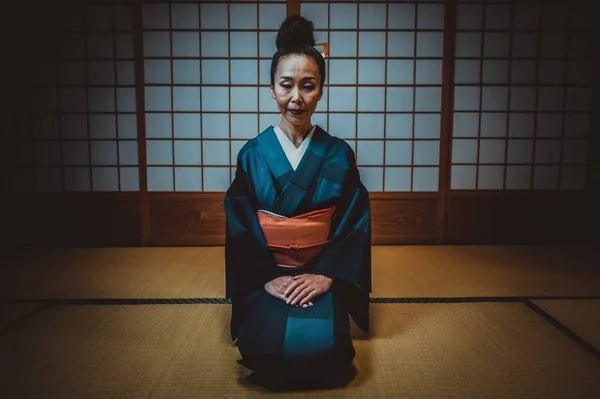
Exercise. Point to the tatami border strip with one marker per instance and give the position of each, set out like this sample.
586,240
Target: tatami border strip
47,302
24,317
564,329
224,301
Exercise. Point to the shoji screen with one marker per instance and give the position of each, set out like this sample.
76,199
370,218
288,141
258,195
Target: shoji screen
470,120
206,71
522,96
77,130
384,87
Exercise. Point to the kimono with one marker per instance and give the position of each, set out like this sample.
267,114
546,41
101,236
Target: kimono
273,337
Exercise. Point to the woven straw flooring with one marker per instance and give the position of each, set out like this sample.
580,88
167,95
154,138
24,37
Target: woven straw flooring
581,316
408,272
459,348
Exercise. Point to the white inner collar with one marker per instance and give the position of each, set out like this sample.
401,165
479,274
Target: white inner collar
294,154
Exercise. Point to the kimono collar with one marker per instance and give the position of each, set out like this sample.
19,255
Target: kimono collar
294,154
293,184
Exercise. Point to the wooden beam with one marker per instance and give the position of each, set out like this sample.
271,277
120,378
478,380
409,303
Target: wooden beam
447,116
138,53
293,7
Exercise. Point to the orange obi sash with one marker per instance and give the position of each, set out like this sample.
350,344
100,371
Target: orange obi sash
297,240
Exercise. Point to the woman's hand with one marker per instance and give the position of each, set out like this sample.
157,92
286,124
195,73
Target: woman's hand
278,286
305,287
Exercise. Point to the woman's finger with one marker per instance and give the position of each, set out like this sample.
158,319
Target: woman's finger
275,292
278,295
301,295
309,297
301,299
292,286
291,297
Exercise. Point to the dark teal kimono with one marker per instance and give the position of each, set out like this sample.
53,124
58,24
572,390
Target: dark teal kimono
274,337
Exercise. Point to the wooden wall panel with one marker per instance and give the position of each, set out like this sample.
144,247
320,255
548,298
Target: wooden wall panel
193,219
403,220
179,219
116,220
72,219
113,219
519,218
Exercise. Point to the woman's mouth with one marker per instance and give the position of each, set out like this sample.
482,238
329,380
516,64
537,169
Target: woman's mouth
296,111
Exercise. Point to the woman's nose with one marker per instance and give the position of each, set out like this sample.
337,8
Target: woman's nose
296,96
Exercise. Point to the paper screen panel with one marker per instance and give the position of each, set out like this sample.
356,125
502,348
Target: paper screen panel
522,96
384,87
206,88
79,108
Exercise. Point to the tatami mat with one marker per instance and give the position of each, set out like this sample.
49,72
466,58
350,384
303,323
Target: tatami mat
11,313
398,271
580,316
458,271
117,273
183,351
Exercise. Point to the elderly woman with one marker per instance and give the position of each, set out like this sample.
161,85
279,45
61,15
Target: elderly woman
298,241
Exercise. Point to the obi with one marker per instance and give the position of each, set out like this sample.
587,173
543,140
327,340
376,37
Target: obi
295,241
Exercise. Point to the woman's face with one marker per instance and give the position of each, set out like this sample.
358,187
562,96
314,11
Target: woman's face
297,88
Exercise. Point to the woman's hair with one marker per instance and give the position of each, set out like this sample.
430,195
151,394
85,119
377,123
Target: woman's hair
296,36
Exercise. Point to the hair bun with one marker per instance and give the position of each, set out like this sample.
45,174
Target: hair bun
295,31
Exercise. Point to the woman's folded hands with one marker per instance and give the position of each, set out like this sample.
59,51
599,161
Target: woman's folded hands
299,290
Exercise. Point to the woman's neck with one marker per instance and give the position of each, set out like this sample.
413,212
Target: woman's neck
296,133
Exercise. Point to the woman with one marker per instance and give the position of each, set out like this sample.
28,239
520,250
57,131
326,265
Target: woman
298,241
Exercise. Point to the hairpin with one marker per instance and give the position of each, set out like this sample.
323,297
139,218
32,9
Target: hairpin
325,51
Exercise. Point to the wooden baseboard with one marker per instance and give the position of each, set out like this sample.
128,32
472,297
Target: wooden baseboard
114,219
186,220
181,220
519,218
73,219
403,220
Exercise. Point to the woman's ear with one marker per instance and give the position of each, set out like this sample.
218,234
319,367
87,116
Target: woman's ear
272,92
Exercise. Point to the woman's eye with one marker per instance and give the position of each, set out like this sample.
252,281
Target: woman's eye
308,87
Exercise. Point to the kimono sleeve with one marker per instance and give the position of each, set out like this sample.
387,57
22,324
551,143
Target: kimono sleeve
248,263
348,257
